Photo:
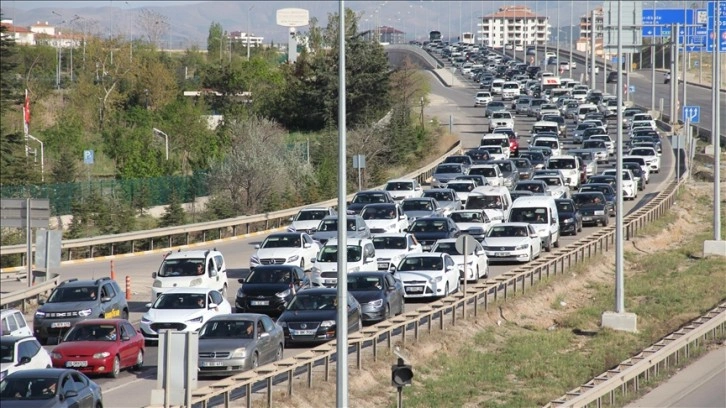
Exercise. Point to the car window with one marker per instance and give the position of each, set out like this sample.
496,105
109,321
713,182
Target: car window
26,349
68,384
260,328
130,331
20,320
390,281
9,324
219,260
216,297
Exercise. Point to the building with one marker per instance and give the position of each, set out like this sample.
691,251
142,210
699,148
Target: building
240,37
583,43
515,26
385,35
21,35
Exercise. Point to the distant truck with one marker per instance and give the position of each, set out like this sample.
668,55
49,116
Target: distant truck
467,38
550,82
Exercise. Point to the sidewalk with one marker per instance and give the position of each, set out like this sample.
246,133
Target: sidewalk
449,78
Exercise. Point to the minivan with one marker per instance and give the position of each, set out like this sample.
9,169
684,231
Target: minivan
584,109
14,324
496,202
193,268
496,87
541,212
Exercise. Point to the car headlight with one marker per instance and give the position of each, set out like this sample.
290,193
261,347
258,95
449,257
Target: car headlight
196,319
84,312
3,374
239,353
254,259
293,258
39,314
240,293
433,179
568,221
599,212
327,323
315,272
376,303
145,319
102,354
291,229
523,246
195,282
56,355
283,294
157,283
436,279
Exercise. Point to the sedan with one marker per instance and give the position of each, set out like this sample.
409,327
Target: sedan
391,248
447,198
593,206
307,219
428,275
482,98
328,228
472,222
494,106
650,155
512,242
363,198
477,263
431,229
380,295
524,166
233,343
100,346
381,218
421,207
269,289
447,172
607,190
569,215
311,316
292,248
18,353
49,388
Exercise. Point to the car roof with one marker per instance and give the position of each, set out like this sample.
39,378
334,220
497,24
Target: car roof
236,316
318,291
100,321
13,339
348,240
40,373
401,180
195,253
380,205
512,224
187,290
391,234
369,273
425,255
76,283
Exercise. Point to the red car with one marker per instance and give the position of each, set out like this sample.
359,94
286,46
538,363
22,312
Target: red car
100,346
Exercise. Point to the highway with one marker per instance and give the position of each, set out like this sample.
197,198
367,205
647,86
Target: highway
133,389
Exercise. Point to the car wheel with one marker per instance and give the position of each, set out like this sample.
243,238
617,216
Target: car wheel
446,289
224,291
402,306
279,353
255,360
139,361
116,369
359,327
478,273
531,255
606,222
302,264
548,248
387,312
125,314
557,243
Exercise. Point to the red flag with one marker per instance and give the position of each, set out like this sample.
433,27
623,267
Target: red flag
26,112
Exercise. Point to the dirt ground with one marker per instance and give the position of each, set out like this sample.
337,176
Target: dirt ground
370,387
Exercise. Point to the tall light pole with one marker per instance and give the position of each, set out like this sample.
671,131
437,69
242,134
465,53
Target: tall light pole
58,54
572,24
716,122
249,12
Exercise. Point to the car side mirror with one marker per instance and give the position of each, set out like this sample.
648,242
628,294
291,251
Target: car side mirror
125,338
213,273
534,236
449,267
291,219
41,302
257,246
241,280
307,245
70,394
263,335
405,230
212,306
553,222
153,275
105,299
148,305
23,360
313,260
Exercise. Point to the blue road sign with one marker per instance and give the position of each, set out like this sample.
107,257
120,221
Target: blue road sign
631,89
657,23
692,114
713,38
88,156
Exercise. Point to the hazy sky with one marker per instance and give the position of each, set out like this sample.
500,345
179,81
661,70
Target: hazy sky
29,5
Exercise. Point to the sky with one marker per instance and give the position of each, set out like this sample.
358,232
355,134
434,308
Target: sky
29,5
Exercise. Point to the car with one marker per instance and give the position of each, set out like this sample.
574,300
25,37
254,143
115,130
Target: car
535,187
182,309
14,324
649,154
534,105
74,300
328,228
606,189
640,161
550,142
520,193
501,119
49,388
462,188
447,172
609,143
361,256
593,206
599,149
628,183
307,219
482,98
478,179
447,198
379,294
510,172
363,198
570,216
555,186
431,229
18,353
524,166
477,263
536,157
382,218
390,248
613,76
285,248
568,166
494,106
570,109
561,123
421,207
428,275
609,179
547,109
462,159
512,242
311,317
628,114
474,222
193,268
477,155
269,288
589,160
522,104
637,173
101,346
233,343
403,188
491,171
494,152
579,134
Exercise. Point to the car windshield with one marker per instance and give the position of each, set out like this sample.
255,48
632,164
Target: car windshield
460,187
314,301
584,126
282,241
531,215
494,142
332,225
440,195
505,167
469,216
25,388
603,189
484,171
311,215
399,186
92,332
533,156
379,213
448,168
365,283
501,115
73,294
496,104
424,225
585,155
182,267
369,198
417,205
421,263
7,352
266,275
448,248
642,152
329,253
533,187
389,242
551,181
584,199
228,329
508,231
180,301
561,164
458,159
594,144
564,207
546,143
522,163
478,202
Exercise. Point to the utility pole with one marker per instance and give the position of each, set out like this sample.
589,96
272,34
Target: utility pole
592,49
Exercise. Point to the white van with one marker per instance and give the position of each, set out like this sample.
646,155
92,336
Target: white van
494,200
187,269
545,126
568,166
496,87
584,109
361,257
497,139
14,324
510,90
541,212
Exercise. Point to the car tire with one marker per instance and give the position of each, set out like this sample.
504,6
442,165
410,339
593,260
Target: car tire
359,327
557,243
139,361
255,360
387,312
402,306
548,248
224,291
446,290
116,369
302,264
125,314
607,221
279,353
531,255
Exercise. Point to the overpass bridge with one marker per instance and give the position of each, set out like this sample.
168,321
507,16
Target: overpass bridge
398,52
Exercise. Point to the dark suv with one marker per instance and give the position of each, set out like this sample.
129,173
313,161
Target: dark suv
75,300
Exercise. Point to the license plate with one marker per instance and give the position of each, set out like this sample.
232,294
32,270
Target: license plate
415,289
260,302
382,265
501,254
76,363
303,332
587,218
211,364
57,325
331,280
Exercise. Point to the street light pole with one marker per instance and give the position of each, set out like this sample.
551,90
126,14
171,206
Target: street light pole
249,12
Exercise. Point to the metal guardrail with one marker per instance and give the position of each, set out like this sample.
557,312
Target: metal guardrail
626,377
23,299
478,297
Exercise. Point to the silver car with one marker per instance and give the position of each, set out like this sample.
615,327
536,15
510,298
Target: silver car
237,342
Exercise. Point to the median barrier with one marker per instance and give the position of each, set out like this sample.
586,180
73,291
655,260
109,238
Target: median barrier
23,299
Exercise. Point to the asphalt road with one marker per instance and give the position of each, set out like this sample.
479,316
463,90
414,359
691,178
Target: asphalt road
133,389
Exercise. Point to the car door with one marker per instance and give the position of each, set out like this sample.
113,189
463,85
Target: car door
394,293
273,340
262,343
213,273
536,242
353,314
128,348
221,269
85,394
31,349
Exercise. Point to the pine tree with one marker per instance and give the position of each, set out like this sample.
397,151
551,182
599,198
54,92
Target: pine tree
174,214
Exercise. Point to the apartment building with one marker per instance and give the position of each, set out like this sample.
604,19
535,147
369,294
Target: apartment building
515,26
583,43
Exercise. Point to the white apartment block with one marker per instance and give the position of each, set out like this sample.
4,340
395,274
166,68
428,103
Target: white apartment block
583,43
515,26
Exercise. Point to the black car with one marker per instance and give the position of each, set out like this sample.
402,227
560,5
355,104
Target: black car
637,173
363,198
536,157
525,167
593,206
269,289
478,155
603,179
379,294
431,229
49,388
311,316
464,159
569,215
515,194
607,190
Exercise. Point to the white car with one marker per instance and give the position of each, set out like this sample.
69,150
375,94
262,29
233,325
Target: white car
472,222
501,119
307,219
286,248
462,188
361,256
22,353
482,98
491,171
401,189
182,309
428,275
477,263
384,217
630,187
609,143
555,186
650,155
391,248
512,241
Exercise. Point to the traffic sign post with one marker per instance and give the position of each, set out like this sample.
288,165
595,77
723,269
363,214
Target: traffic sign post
464,244
692,114
714,40
28,214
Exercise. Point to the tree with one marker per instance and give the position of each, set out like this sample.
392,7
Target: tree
174,213
153,25
65,169
215,40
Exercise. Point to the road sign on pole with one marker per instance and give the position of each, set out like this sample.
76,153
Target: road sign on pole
25,213
631,89
692,114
